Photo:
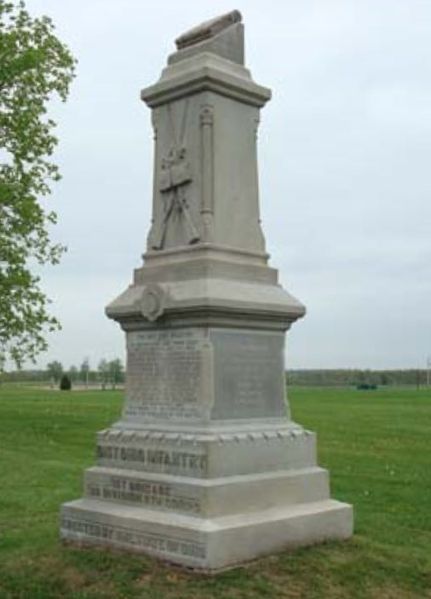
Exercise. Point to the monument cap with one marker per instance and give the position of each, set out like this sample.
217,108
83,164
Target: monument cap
222,35
207,29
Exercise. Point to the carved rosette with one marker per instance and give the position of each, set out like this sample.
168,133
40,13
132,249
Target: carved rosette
152,302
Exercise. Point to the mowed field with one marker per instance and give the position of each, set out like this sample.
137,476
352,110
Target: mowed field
377,445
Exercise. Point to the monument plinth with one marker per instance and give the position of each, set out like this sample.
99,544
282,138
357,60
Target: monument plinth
206,468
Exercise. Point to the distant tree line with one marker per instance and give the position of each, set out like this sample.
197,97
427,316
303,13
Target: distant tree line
355,377
108,374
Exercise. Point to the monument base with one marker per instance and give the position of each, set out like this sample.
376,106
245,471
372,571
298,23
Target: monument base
205,544
208,500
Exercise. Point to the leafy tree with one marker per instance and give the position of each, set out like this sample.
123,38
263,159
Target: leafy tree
115,371
34,67
103,369
85,371
73,374
55,370
2,364
384,379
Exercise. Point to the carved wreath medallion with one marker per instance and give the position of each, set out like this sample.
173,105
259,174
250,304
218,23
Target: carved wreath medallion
152,302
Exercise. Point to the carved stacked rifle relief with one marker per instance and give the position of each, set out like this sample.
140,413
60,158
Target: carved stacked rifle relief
205,467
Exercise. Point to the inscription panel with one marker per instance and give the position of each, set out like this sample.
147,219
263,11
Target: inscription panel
249,374
98,532
166,373
190,461
146,493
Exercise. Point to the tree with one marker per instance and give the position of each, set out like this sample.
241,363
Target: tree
35,66
73,374
65,383
103,372
2,364
115,368
55,370
84,371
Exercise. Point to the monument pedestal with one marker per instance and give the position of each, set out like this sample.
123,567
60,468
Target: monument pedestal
206,468
206,500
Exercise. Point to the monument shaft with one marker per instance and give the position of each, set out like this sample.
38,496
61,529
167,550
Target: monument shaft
206,468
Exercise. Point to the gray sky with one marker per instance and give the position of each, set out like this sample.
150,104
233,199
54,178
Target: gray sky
344,152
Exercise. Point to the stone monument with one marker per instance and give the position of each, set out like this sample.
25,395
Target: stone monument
206,468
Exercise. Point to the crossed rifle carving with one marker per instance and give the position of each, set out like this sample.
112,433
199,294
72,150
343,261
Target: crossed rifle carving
175,174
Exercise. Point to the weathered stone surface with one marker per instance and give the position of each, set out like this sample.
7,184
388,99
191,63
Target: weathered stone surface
206,544
223,36
200,374
205,467
228,44
208,29
207,497
249,374
168,374
216,452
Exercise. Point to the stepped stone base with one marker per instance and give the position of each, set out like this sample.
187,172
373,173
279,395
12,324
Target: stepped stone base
207,499
206,544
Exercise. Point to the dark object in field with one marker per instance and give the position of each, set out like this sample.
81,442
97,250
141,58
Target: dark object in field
366,387
65,383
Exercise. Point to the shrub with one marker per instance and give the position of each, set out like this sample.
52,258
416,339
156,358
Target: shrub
366,387
65,383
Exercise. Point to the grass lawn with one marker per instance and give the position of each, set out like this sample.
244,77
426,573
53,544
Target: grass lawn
377,445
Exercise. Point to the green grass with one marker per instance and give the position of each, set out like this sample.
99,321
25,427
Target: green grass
377,445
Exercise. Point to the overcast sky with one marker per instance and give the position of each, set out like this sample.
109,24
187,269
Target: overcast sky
345,165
